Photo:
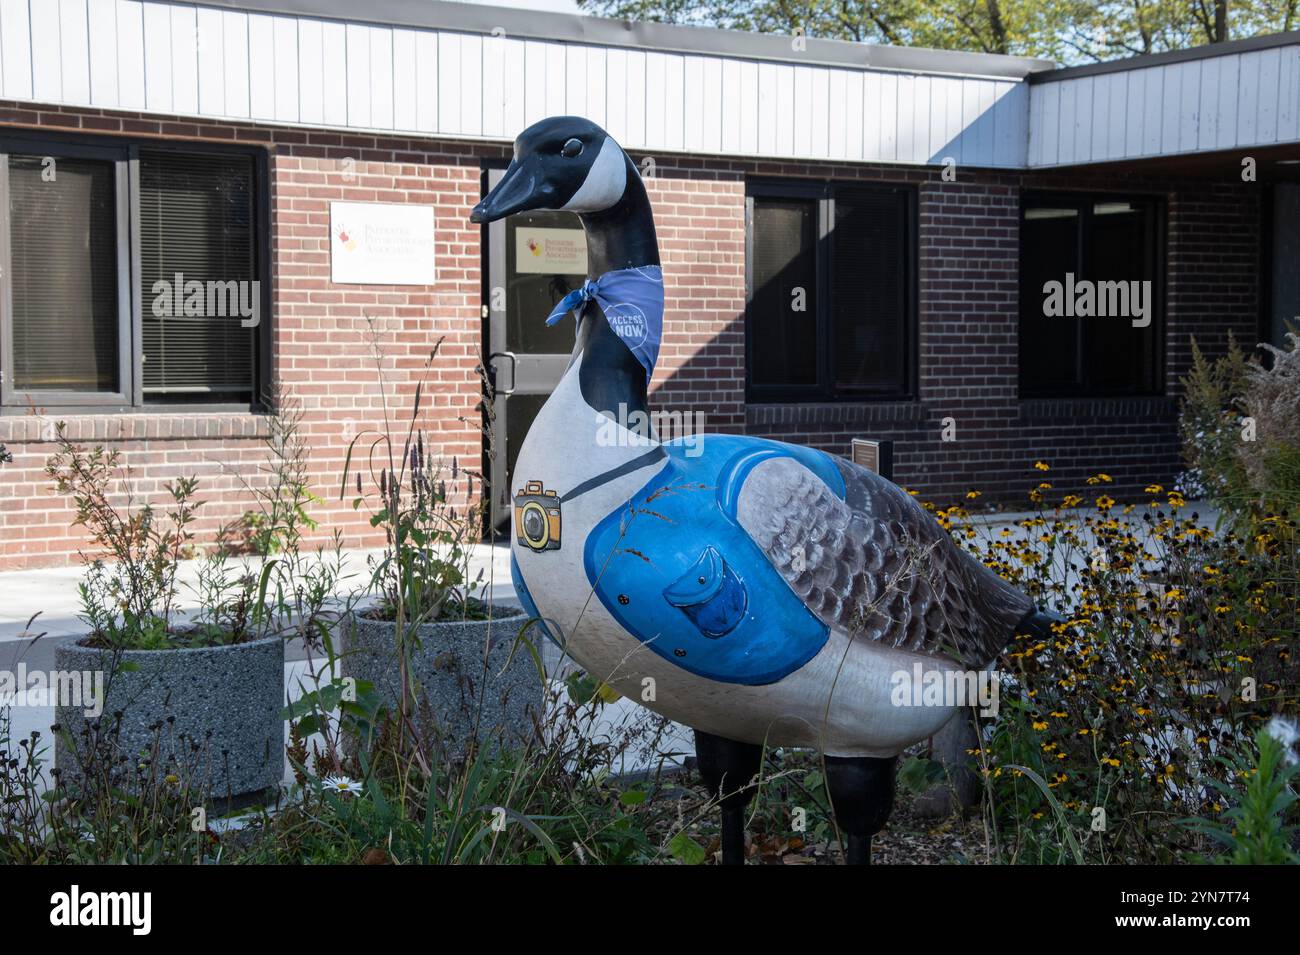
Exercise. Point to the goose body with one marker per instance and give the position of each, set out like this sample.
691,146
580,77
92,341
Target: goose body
760,592
794,669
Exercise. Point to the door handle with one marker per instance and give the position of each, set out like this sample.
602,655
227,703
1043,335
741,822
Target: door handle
514,366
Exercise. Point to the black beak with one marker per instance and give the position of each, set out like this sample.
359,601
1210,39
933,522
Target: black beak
518,191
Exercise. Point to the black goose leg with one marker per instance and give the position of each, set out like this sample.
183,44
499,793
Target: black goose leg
862,795
727,767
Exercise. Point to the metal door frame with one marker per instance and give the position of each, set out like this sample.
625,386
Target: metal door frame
524,373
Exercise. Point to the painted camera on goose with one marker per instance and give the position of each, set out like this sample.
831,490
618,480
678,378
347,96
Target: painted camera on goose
537,517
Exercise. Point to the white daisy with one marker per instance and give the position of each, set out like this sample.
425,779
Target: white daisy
342,785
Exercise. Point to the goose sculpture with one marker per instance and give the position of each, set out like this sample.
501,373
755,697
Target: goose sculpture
762,593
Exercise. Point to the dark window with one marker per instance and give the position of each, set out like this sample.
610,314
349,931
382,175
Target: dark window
829,309
1091,304
783,260
76,328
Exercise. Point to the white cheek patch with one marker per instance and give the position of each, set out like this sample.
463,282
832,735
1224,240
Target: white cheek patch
605,181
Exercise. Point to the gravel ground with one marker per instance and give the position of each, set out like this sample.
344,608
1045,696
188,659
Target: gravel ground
906,840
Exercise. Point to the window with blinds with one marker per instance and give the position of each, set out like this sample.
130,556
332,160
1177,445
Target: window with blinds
198,263
76,328
830,291
63,274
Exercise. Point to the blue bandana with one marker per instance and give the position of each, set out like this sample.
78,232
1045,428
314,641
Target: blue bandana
633,302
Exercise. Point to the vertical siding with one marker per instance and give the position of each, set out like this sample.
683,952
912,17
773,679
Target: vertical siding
234,37
101,22
185,59
1221,102
211,63
284,47
16,49
47,58
311,71
194,60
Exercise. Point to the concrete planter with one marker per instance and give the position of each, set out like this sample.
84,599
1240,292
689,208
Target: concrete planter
460,692
225,699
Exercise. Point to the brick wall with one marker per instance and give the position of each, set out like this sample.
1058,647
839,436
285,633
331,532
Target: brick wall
969,307
323,337
967,346
700,221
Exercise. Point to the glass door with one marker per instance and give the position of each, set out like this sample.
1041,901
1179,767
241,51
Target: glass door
534,259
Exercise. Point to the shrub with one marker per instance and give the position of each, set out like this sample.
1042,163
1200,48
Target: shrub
1240,426
1178,647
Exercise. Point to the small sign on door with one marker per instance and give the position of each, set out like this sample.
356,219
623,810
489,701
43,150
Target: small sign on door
374,243
550,251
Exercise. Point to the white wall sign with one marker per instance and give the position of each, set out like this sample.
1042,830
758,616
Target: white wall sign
381,244
551,251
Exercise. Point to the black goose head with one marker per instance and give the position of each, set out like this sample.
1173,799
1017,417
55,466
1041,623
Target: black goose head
567,163
562,163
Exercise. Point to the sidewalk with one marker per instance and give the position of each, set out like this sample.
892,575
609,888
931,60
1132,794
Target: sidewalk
52,593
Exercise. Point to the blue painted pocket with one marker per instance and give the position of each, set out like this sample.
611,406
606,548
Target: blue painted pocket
710,594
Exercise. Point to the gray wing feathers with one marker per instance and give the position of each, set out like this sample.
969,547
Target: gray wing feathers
876,565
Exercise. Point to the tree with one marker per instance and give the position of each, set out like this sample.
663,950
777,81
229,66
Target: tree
1070,31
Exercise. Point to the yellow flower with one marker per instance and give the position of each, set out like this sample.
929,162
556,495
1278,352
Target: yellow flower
1155,489
1110,761
972,494
1041,466
1105,502
1039,726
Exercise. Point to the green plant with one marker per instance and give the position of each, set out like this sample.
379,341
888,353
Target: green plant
128,600
294,592
278,521
126,808
424,573
554,800
1259,827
